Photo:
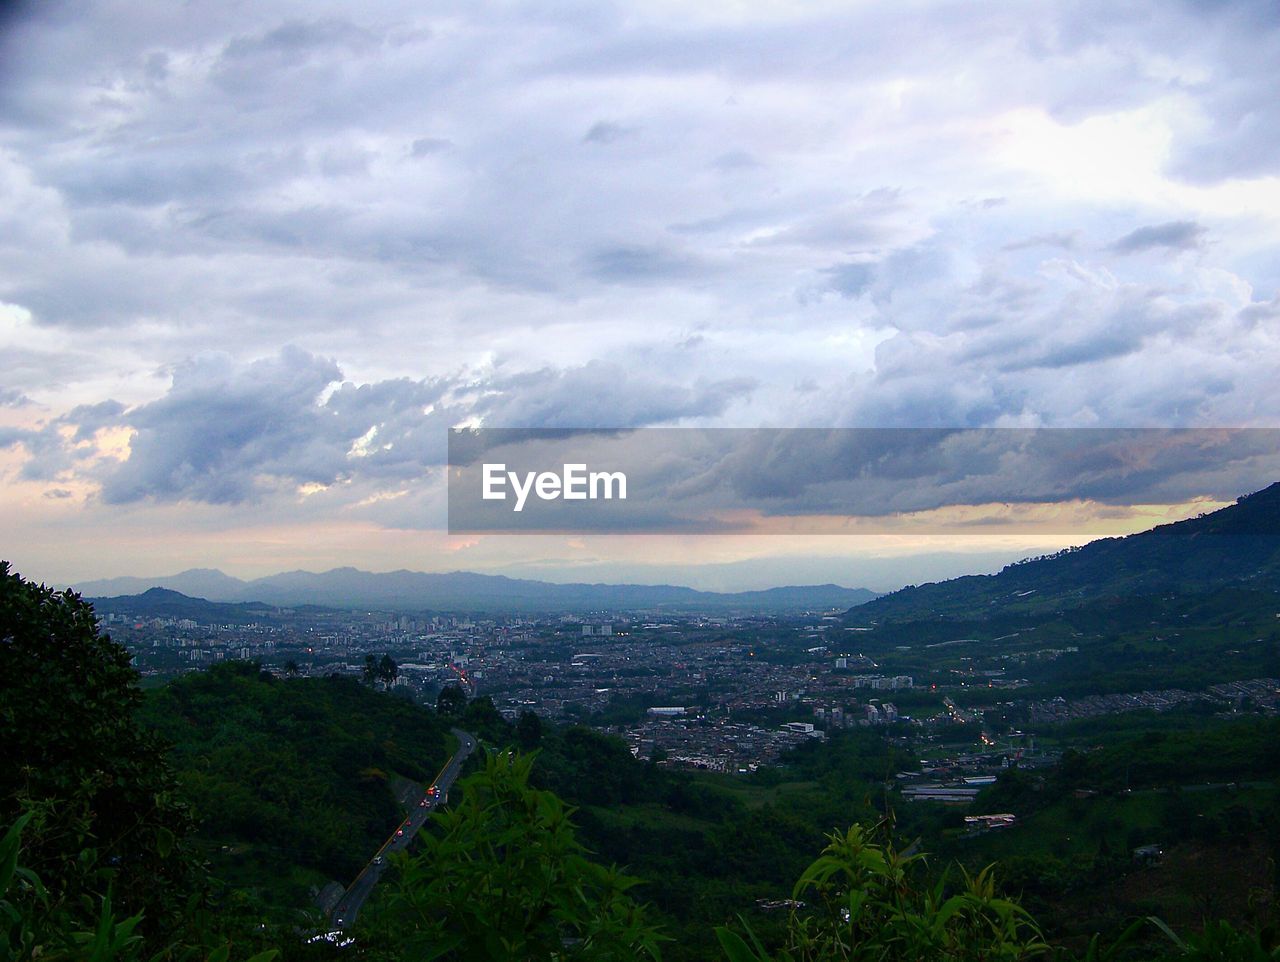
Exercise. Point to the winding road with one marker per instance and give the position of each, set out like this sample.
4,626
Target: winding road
344,913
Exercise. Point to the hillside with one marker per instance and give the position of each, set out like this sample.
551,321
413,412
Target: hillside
1236,547
291,782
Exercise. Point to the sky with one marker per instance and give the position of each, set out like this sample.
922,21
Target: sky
256,259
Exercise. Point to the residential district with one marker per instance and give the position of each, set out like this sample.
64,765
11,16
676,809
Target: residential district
723,693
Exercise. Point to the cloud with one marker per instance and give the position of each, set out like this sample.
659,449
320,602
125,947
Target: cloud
735,160
600,215
11,436
601,394
701,480
642,265
1179,235
227,433
1238,46
426,146
850,280
1066,240
223,434
604,132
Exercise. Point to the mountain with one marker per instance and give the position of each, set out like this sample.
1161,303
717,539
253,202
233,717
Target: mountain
207,583
1237,547
165,603
466,591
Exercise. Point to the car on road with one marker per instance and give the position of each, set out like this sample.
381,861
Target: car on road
399,832
378,860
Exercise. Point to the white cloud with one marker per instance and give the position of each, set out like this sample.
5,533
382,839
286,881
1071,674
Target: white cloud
792,214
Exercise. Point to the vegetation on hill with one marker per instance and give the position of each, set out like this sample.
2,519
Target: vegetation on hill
504,877
288,775
1238,546
77,763
103,832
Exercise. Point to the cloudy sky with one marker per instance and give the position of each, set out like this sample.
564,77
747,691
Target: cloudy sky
257,258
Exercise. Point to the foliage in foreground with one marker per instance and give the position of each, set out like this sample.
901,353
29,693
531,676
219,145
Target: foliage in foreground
862,901
504,878
93,779
39,924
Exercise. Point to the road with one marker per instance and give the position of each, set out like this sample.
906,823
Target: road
344,913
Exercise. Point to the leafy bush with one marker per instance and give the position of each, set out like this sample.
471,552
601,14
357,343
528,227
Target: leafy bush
504,878
861,900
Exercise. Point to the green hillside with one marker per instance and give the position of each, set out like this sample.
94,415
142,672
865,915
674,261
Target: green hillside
291,782
1236,547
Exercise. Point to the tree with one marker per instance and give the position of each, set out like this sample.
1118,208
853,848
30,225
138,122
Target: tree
370,669
504,878
388,670
78,760
291,668
451,701
528,730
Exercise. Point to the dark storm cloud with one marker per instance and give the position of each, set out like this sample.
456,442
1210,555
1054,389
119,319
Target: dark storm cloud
1179,235
691,479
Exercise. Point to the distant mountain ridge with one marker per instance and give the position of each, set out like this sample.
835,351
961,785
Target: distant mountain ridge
166,603
465,591
1235,547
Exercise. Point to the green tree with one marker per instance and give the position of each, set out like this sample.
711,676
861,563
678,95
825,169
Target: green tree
451,701
291,668
387,670
77,759
528,730
370,669
504,878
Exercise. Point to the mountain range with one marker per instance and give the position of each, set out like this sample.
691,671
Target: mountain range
467,591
